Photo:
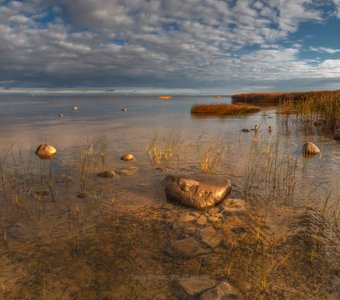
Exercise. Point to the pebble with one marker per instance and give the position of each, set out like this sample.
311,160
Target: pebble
83,195
107,174
202,220
127,157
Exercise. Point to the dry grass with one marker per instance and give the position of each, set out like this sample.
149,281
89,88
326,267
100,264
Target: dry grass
279,97
211,153
319,109
224,109
162,152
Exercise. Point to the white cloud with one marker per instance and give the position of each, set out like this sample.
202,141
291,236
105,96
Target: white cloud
157,41
324,50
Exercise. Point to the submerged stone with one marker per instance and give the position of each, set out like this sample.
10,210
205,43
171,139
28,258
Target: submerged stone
65,179
234,207
200,193
187,247
202,220
210,237
127,157
224,290
107,174
127,171
195,287
83,195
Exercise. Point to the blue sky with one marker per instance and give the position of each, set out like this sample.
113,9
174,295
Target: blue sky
229,46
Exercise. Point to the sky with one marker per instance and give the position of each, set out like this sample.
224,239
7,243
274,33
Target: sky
206,45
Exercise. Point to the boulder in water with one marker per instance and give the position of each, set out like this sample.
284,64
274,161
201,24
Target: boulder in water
310,149
127,157
200,193
45,151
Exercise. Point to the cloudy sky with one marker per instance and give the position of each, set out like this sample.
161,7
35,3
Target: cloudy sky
234,45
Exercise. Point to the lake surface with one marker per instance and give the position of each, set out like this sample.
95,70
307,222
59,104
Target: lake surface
27,121
114,243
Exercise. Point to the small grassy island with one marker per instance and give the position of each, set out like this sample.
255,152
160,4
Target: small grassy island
165,97
224,109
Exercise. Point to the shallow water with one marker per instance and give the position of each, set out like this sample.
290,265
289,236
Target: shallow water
27,121
110,244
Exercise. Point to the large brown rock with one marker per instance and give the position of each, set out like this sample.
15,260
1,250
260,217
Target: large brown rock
198,193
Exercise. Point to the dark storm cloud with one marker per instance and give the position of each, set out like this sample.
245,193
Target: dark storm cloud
191,43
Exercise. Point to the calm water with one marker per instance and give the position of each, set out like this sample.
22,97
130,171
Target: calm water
107,245
28,121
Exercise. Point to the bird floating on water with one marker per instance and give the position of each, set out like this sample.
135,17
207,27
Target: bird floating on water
75,107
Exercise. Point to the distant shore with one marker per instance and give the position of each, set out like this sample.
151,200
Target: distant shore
278,97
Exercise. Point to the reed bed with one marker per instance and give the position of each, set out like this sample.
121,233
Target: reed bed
271,174
280,97
319,109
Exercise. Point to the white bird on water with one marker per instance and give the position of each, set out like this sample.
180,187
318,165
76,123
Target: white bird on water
75,107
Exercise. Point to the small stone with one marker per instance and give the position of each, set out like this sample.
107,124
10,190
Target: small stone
214,219
213,210
107,174
222,291
42,193
195,287
210,237
310,149
195,214
65,179
337,134
83,195
187,218
127,157
168,206
187,247
189,228
124,109
234,207
60,115
127,171
45,151
202,220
